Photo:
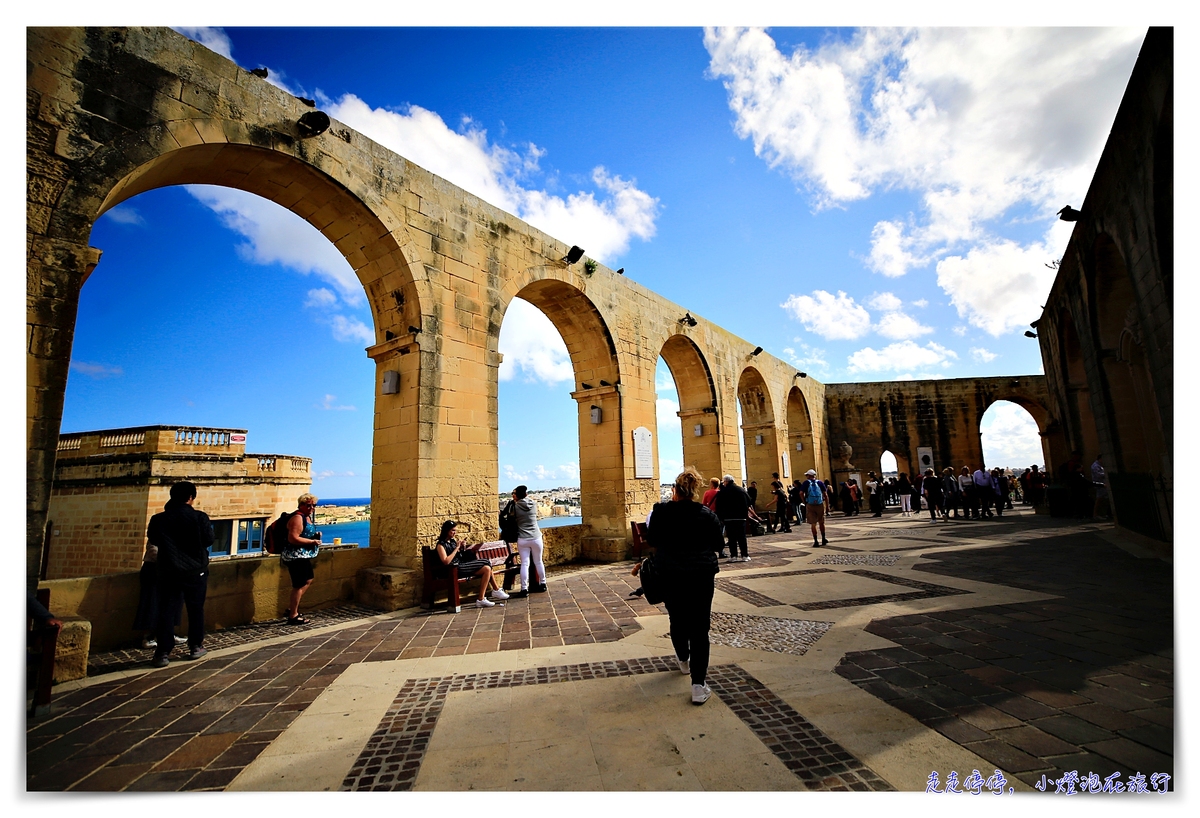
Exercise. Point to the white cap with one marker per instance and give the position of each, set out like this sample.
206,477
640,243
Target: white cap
810,473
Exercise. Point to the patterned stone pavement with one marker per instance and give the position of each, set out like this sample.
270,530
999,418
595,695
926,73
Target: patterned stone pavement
1081,683
1082,680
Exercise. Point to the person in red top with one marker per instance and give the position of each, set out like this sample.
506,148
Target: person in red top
710,496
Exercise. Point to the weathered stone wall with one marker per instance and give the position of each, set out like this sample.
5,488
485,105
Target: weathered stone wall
240,590
901,416
1106,332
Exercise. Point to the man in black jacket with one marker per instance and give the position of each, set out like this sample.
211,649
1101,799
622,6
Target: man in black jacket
733,503
183,536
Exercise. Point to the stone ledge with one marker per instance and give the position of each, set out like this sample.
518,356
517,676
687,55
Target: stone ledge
387,589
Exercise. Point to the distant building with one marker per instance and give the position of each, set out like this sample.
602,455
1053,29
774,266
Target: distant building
108,483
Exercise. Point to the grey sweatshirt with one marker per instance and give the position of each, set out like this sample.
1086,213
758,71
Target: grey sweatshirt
527,527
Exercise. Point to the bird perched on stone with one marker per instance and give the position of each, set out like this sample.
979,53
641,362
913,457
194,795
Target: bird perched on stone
260,72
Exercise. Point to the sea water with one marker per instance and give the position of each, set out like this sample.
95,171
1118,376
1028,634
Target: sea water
359,530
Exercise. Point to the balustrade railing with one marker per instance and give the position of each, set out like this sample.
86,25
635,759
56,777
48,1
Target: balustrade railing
69,444
122,439
201,437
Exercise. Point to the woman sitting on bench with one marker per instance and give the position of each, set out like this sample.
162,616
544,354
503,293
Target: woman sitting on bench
450,552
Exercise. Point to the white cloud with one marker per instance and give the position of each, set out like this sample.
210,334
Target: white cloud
988,126
923,376
832,317
885,302
603,225
807,358
330,404
275,235
668,419
350,329
961,330
901,356
998,286
1010,437
97,371
982,355
530,343
320,297
898,325
568,472
327,473
921,303
663,380
125,214
214,39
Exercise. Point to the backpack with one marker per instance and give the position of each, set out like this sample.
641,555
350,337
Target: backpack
508,522
276,536
814,496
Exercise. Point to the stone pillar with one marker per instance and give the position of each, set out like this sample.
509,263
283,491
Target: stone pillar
55,274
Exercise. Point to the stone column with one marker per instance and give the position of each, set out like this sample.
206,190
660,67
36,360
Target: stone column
55,274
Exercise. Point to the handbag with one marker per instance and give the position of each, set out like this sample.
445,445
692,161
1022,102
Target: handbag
652,581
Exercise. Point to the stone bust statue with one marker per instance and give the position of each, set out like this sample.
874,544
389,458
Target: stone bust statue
846,451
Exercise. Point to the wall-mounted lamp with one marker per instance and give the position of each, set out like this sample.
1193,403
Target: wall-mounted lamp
621,271
391,382
1035,323
574,254
597,415
758,440
698,429
710,410
800,375
799,446
756,351
261,73
313,123
1069,214
687,320
1029,334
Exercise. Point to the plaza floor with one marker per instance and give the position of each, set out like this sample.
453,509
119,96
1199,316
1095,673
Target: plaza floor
1029,645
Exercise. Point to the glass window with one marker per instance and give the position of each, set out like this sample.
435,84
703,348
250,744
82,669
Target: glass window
222,534
250,534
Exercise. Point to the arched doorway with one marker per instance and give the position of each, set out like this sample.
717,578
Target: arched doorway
759,439
1010,438
697,398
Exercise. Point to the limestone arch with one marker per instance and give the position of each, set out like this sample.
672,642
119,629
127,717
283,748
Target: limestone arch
363,229
1135,427
697,404
758,424
1032,405
597,372
801,448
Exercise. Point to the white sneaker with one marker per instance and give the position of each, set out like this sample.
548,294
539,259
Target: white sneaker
745,559
149,643
498,594
700,694
180,640
684,667
484,603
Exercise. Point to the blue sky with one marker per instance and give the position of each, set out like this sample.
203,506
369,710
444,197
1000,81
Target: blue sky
868,204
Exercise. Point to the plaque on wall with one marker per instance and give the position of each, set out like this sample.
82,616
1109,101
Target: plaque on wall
786,466
643,453
924,458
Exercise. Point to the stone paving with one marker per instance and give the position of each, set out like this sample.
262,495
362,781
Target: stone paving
1032,646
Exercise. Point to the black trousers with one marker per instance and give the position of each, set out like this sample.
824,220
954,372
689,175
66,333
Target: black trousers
689,606
735,530
174,591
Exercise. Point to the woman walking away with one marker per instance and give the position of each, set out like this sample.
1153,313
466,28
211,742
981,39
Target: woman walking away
932,489
905,489
687,539
462,557
529,543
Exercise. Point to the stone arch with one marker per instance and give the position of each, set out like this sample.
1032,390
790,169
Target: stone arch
758,419
697,404
1081,425
593,354
801,448
1134,424
1033,405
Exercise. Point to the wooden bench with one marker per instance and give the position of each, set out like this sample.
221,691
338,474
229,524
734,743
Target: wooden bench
439,577
640,541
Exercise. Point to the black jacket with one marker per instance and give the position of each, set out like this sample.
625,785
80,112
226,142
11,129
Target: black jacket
183,536
686,538
732,502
